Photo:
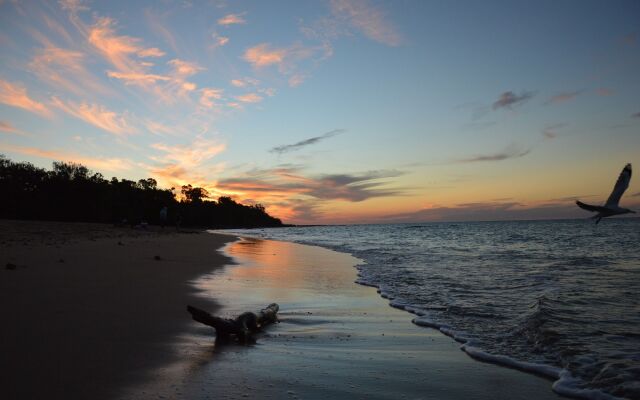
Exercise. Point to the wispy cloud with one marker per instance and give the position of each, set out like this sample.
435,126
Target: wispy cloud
511,151
296,80
303,143
128,56
249,98
603,91
353,188
113,164
73,6
209,95
551,131
219,40
509,99
244,82
184,69
368,19
6,126
123,52
563,97
182,164
189,156
159,26
263,55
15,95
56,27
96,115
151,52
138,78
283,183
286,58
158,128
65,69
232,19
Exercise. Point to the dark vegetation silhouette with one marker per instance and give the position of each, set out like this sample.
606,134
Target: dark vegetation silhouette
72,192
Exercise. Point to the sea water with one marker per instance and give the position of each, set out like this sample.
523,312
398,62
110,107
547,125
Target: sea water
558,298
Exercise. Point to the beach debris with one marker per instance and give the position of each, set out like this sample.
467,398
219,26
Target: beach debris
242,328
120,244
11,266
157,258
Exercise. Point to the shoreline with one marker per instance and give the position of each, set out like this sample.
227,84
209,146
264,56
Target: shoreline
561,381
108,322
89,309
336,339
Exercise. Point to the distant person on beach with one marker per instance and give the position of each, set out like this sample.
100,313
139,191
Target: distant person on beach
178,221
163,216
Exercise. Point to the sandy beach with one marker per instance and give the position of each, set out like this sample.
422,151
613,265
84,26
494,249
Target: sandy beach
89,312
88,309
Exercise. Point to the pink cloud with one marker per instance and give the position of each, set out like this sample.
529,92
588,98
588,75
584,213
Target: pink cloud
6,126
182,164
96,115
232,19
183,69
137,78
249,98
286,59
296,80
218,40
244,82
15,95
65,69
151,52
158,128
124,53
118,50
189,156
208,95
262,55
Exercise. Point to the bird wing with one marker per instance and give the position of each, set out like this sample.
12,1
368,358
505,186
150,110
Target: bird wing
621,185
590,207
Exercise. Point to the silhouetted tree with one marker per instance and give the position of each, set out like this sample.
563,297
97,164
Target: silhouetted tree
72,192
194,194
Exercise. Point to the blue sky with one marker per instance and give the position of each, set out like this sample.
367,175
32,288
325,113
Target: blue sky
333,111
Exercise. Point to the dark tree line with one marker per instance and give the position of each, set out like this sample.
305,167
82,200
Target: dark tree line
71,192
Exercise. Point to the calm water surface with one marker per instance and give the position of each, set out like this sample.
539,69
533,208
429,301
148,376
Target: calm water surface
561,298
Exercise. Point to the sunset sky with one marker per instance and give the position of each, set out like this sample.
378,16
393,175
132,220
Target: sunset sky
337,111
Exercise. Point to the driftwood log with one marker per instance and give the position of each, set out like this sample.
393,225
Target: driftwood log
243,327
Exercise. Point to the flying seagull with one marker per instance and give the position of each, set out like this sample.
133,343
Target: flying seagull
611,207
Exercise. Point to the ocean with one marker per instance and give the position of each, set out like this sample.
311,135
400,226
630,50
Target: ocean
557,298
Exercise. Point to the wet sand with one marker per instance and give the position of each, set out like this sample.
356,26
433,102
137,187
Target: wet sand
89,310
336,340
